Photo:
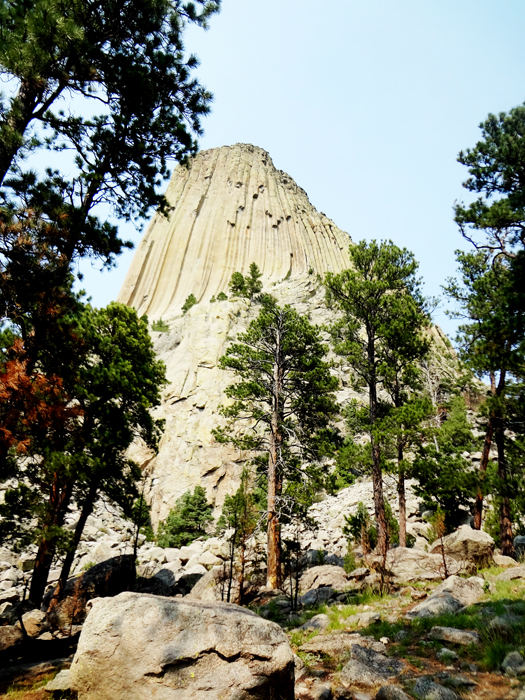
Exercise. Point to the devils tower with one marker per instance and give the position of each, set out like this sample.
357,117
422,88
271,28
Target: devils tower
228,208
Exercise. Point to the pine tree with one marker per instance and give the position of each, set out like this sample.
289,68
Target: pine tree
381,314
491,343
491,297
282,407
134,107
190,301
187,520
249,286
240,516
445,478
113,384
399,431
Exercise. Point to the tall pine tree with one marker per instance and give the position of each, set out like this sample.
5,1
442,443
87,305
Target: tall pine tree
380,318
282,407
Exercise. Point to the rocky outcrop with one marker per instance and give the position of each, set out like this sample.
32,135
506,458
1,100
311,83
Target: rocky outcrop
138,646
9,636
229,208
466,544
338,644
102,580
450,596
404,565
369,668
467,590
319,576
455,636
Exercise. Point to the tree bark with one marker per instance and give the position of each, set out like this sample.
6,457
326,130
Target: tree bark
273,577
242,567
377,476
87,509
402,500
273,551
59,502
505,522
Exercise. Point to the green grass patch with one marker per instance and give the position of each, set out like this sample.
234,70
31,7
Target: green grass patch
511,590
303,616
494,652
300,637
25,689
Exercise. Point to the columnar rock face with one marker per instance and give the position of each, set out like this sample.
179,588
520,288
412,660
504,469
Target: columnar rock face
229,208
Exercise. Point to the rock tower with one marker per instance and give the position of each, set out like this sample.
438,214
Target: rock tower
228,208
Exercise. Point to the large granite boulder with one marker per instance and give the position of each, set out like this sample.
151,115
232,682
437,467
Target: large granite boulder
434,605
511,574
327,575
449,597
519,545
405,565
369,668
106,579
467,590
468,545
9,636
455,636
213,587
425,689
138,647
338,644
171,580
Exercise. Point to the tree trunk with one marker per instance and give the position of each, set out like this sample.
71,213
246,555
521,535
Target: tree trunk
273,577
379,502
16,123
377,476
478,507
87,509
273,552
59,502
402,500
232,561
242,568
505,522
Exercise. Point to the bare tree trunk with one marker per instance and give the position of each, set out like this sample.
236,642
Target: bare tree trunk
273,577
87,509
139,517
232,561
379,502
377,476
505,522
402,500
59,502
242,569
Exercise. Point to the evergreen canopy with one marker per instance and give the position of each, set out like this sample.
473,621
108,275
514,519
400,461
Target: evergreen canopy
282,407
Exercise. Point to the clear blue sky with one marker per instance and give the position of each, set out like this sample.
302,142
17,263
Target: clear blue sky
365,105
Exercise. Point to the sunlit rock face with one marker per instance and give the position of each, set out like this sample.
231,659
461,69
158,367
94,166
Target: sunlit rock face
230,207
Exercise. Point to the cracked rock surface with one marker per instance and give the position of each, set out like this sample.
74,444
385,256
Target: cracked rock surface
138,646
